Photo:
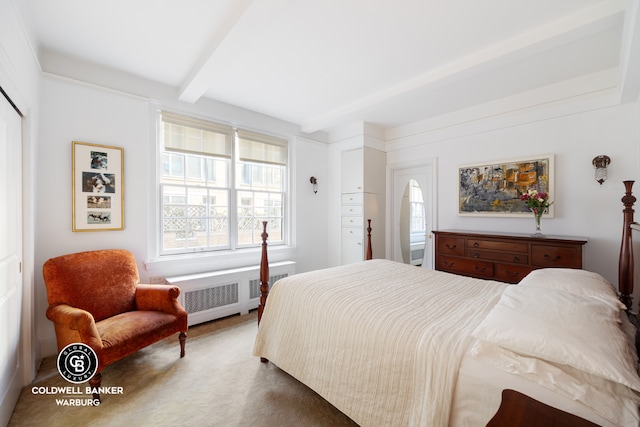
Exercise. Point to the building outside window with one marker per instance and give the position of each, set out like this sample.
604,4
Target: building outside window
218,185
418,220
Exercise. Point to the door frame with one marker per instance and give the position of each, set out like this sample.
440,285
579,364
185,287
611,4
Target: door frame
394,170
22,350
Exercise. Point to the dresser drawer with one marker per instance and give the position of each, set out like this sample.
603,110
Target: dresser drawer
502,257
514,258
465,266
352,221
511,273
352,232
352,210
497,245
556,256
450,246
352,198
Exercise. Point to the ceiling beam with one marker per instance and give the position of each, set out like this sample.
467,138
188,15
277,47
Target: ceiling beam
587,21
198,82
630,54
245,19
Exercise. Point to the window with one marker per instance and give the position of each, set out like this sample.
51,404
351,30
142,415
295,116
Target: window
418,220
218,185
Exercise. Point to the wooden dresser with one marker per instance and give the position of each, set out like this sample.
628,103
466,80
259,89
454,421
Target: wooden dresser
503,257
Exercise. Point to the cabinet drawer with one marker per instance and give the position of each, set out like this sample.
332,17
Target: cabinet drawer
352,210
352,221
514,258
511,273
497,245
465,266
556,256
352,198
450,246
352,232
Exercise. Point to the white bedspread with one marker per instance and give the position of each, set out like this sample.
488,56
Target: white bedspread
380,340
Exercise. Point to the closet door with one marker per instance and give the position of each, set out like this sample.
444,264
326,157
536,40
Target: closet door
10,258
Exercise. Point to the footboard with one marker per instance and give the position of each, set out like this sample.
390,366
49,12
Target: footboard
264,272
264,266
518,409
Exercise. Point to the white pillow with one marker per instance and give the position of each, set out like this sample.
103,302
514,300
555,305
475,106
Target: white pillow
579,282
562,328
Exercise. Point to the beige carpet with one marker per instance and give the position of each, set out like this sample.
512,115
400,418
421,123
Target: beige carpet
217,383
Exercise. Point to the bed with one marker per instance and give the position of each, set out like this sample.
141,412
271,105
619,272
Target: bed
392,344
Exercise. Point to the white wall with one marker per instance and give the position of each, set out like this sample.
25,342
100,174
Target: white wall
72,112
311,208
79,112
583,208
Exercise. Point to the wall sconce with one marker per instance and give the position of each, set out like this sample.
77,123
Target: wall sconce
600,163
313,180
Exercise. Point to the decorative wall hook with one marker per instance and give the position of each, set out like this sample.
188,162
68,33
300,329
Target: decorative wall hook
313,180
600,164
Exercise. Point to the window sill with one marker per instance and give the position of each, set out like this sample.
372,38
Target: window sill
220,260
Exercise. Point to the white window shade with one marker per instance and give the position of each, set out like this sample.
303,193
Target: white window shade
191,135
256,147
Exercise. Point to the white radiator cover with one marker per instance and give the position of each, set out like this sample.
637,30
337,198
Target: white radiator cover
417,253
215,294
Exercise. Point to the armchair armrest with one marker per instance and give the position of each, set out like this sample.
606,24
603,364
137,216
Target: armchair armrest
159,298
74,325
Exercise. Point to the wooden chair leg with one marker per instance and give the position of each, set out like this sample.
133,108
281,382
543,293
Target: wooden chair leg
183,339
95,382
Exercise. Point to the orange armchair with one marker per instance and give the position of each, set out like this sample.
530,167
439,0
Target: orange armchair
95,298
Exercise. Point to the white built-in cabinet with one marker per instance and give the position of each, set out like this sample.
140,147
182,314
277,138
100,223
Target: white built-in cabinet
363,184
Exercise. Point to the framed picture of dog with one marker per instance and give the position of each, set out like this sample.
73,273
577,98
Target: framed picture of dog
97,187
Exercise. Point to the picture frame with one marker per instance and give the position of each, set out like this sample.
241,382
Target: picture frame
494,188
97,187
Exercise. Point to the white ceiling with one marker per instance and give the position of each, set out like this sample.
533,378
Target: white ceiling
324,63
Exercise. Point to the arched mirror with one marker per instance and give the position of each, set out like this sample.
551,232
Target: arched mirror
412,224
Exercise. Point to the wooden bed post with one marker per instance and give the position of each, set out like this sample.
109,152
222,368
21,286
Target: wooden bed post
264,273
625,265
369,254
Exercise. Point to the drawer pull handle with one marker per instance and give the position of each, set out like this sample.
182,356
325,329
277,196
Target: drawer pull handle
483,269
516,259
548,257
476,255
510,274
447,264
450,247
476,245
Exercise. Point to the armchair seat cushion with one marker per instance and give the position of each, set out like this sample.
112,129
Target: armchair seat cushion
131,331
